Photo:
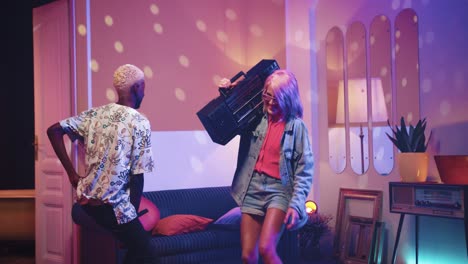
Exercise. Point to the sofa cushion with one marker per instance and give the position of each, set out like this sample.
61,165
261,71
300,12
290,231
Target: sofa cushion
180,223
196,241
232,217
209,202
150,218
230,220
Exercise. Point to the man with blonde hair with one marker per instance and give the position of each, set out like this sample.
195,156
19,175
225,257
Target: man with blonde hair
117,141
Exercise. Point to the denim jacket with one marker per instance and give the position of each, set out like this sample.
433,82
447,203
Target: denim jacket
296,163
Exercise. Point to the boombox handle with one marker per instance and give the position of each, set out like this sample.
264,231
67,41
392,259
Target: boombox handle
226,91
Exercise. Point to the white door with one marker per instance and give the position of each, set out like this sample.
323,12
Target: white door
52,98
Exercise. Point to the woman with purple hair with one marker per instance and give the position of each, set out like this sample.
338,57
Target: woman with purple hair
274,170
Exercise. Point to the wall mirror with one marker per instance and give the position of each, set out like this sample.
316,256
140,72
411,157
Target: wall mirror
335,79
357,221
380,69
407,65
356,61
388,89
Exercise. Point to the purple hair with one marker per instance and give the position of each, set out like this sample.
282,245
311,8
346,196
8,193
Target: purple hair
283,83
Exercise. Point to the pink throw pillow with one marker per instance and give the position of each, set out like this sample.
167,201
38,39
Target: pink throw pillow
180,224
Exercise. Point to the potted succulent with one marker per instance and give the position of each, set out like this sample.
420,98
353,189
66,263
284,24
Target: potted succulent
310,234
411,142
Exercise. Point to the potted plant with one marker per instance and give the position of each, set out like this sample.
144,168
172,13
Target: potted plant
310,234
411,142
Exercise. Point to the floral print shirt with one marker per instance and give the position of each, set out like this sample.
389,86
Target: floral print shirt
117,144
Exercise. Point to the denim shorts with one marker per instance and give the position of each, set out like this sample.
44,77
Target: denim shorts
264,192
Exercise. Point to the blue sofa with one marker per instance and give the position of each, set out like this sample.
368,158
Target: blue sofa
212,245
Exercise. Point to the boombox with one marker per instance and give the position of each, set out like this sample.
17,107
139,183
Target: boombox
238,108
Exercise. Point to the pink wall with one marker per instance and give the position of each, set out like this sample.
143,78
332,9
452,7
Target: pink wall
184,47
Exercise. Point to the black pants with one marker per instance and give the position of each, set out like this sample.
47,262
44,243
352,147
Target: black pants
132,234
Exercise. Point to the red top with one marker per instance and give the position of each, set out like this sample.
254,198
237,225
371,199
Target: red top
268,158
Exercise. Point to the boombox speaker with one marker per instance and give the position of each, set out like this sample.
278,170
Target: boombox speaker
237,108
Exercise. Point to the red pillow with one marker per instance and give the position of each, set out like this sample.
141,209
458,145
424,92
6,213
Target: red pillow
151,218
180,224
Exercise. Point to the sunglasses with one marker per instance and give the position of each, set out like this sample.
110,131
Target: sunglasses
268,97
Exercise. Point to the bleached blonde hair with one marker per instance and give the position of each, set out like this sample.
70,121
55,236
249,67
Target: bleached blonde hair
127,75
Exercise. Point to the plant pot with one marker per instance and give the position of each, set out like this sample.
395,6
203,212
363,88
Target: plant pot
413,166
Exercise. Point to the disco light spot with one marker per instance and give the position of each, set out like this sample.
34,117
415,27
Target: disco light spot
426,85
445,108
383,71
354,46
158,28
110,94
196,164
395,4
409,118
315,46
256,30
148,72
222,36
201,25
216,79
81,30
299,35
180,94
184,61
94,65
201,137
404,82
118,46
388,98
429,36
108,20
231,14
154,9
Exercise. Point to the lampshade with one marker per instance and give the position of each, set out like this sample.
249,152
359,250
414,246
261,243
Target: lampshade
357,101
379,108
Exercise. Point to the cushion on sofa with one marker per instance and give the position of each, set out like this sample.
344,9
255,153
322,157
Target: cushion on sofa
229,220
151,218
180,224
232,217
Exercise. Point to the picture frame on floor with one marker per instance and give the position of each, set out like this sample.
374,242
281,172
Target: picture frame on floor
359,212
